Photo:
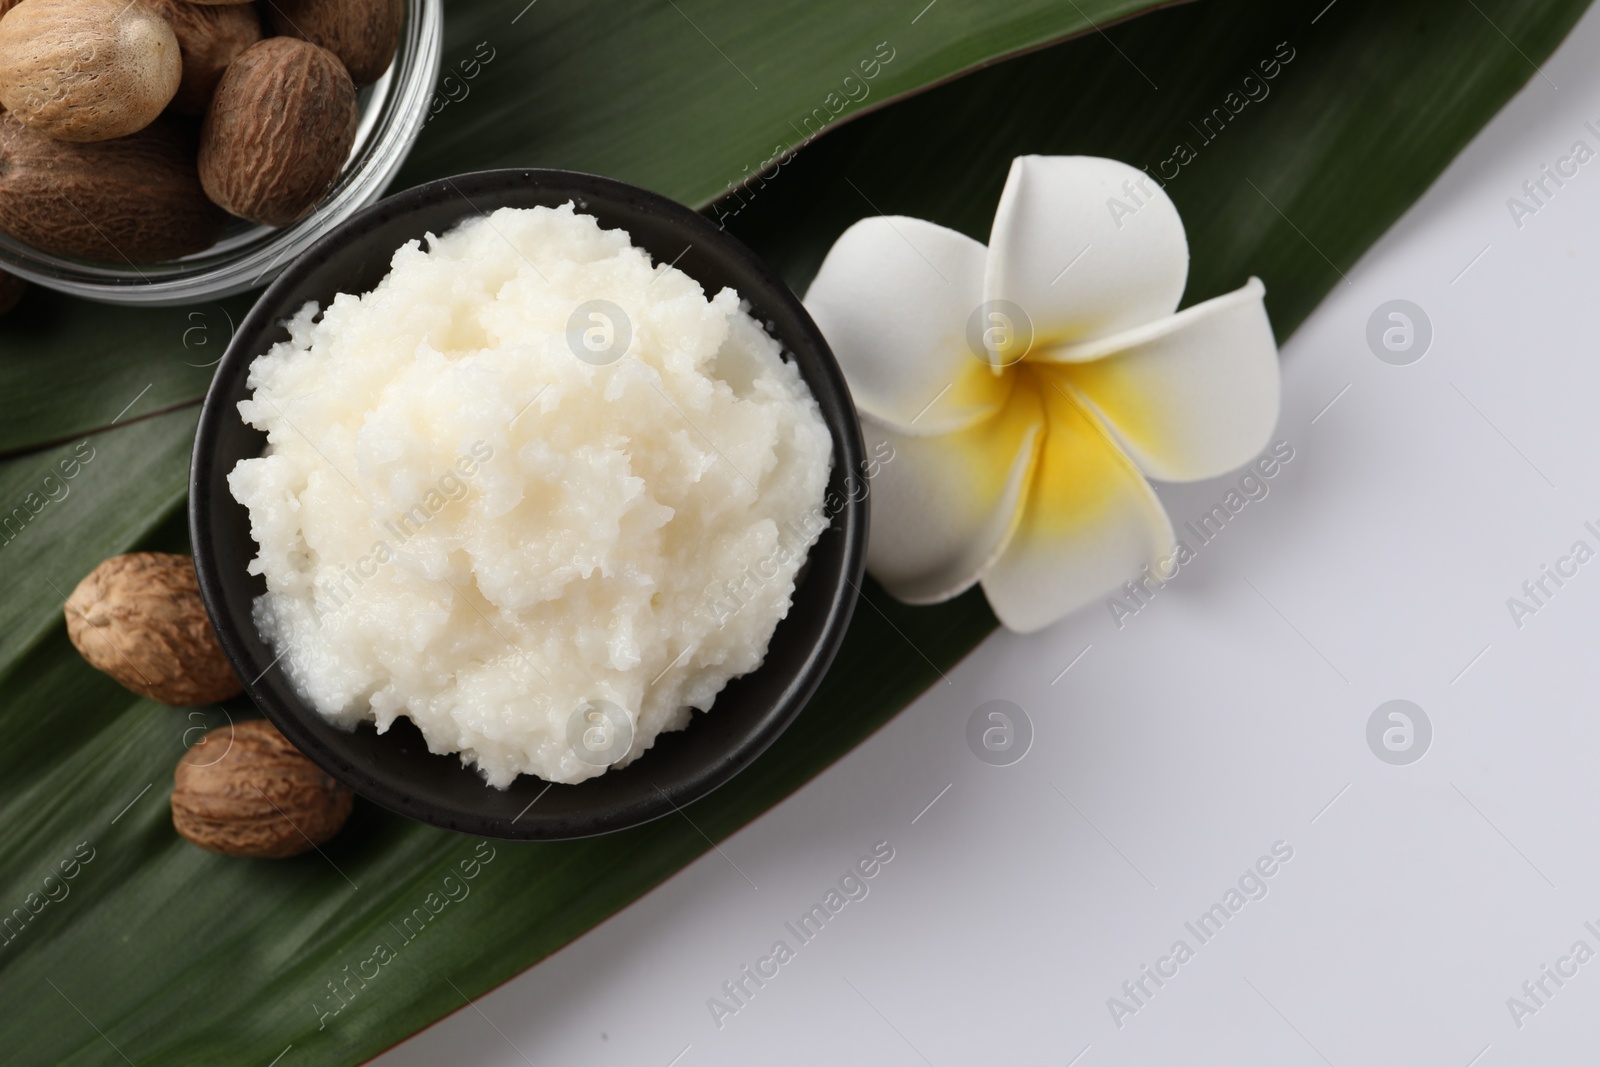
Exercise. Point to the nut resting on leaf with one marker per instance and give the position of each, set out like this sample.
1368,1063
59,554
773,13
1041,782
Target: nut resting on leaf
139,618
87,70
278,131
244,790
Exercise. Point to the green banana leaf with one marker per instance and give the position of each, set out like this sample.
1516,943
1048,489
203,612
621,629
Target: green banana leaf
157,953
688,98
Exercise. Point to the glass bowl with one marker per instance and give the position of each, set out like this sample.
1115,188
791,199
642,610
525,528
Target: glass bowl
393,110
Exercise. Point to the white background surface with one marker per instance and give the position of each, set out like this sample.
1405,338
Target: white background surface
1228,715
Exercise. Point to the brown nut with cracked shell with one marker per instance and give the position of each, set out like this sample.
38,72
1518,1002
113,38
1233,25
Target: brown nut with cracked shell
244,790
87,70
140,619
278,131
136,199
210,37
364,34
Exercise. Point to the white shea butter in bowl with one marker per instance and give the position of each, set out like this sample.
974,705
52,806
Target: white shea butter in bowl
534,492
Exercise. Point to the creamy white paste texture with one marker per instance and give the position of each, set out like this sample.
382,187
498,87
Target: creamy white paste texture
461,522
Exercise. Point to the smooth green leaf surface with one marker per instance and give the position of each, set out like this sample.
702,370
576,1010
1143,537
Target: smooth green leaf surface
694,96
162,954
68,367
688,97
71,506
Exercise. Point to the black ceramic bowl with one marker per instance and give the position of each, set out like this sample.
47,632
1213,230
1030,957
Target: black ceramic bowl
395,769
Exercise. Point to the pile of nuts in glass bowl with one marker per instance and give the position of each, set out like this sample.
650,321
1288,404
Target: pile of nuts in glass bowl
133,129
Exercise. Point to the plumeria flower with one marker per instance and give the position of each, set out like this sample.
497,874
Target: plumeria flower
1029,388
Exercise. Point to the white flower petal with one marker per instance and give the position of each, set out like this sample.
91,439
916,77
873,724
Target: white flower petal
893,298
1086,247
1190,396
943,507
1091,522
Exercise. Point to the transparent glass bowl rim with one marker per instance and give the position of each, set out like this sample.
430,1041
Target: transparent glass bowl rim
394,110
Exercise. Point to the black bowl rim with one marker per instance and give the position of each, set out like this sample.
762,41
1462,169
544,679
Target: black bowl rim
269,310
